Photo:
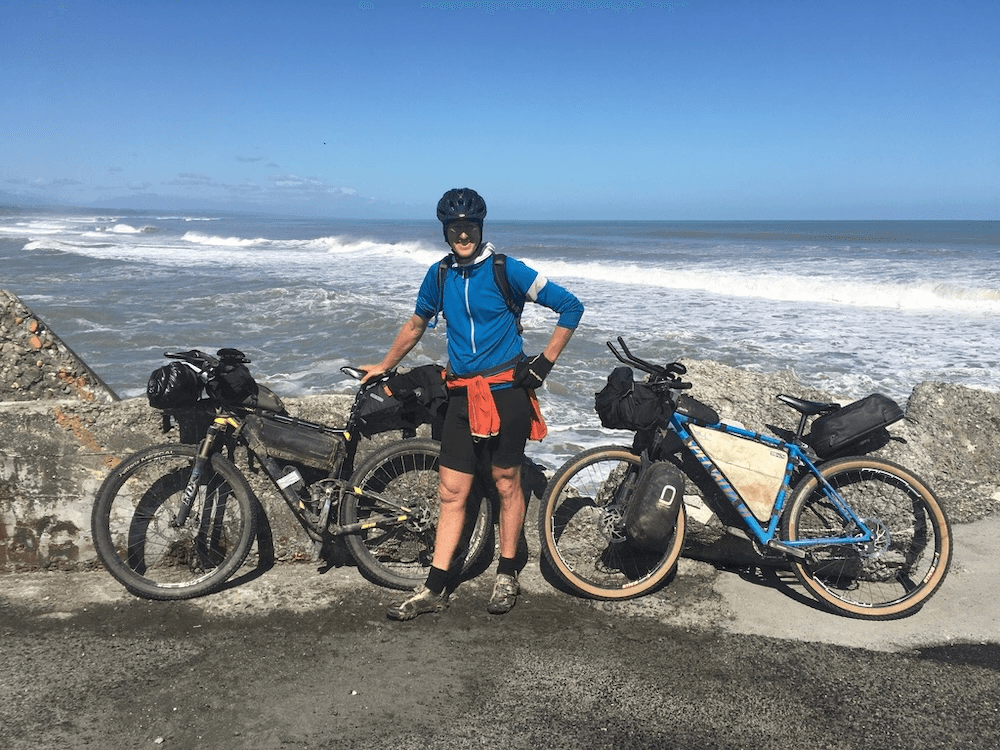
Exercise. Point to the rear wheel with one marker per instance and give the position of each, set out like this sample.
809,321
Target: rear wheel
134,531
405,474
581,527
900,568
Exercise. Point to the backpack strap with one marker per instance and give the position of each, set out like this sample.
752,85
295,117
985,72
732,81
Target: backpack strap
500,279
443,265
503,284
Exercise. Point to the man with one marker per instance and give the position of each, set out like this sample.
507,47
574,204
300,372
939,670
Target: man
492,407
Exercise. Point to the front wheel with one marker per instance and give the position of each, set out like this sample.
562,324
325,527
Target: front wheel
890,576
399,555
581,527
135,532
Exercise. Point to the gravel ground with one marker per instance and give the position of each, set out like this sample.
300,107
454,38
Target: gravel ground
296,658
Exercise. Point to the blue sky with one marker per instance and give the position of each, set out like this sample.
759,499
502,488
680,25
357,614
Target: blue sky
697,109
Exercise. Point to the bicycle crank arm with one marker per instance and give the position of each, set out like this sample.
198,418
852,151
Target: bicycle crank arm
797,552
380,522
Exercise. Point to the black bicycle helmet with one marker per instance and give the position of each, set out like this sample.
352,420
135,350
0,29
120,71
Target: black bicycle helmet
461,203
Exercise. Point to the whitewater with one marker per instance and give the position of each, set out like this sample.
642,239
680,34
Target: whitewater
848,307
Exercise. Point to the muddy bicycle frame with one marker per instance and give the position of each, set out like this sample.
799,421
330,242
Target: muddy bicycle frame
235,423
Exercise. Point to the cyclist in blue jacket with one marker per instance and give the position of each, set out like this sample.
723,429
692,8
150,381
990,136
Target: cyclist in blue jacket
492,406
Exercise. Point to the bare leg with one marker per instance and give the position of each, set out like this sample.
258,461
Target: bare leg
454,491
512,508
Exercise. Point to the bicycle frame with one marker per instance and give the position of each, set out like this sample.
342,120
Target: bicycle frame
319,528
796,457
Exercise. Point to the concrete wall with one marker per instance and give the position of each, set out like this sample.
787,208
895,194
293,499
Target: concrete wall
35,364
56,453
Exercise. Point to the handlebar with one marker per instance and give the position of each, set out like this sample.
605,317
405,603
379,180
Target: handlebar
668,375
206,364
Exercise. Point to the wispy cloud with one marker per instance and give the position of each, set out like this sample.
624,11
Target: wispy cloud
192,179
310,186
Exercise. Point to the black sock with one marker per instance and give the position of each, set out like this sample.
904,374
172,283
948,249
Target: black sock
507,566
437,579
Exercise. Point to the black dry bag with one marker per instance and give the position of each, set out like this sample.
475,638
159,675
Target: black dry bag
655,504
173,386
624,404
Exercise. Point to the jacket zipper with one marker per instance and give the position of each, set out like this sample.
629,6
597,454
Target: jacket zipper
468,310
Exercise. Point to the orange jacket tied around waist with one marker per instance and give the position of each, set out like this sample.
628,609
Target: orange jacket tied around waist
484,421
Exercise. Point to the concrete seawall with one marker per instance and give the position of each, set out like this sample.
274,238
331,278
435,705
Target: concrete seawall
62,430
56,453
35,364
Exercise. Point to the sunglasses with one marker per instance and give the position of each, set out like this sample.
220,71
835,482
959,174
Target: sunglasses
471,230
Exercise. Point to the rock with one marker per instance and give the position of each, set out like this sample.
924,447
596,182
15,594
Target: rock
37,365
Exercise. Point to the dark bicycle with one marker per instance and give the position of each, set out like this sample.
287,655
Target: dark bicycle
176,521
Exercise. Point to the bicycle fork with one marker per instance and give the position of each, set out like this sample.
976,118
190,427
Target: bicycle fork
205,451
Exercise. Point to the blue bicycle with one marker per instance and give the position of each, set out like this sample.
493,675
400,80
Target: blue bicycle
867,537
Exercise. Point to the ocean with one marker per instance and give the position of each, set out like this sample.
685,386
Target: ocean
851,307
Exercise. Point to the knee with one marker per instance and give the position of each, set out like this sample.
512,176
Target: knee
453,490
507,481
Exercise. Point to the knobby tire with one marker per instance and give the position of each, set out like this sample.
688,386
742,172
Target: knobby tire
399,556
132,526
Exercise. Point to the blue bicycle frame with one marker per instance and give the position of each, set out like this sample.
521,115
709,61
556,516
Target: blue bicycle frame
796,458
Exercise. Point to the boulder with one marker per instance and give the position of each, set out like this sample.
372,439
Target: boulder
36,365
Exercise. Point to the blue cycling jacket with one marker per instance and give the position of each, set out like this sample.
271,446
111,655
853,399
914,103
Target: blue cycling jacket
482,331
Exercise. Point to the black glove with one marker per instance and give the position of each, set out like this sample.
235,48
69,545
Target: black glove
531,372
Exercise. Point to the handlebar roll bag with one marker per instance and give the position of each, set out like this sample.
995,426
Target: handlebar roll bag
232,384
624,404
173,386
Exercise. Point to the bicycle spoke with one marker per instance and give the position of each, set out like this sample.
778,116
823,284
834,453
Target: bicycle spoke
903,563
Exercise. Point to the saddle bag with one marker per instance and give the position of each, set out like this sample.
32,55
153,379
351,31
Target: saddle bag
860,420
376,410
404,401
651,516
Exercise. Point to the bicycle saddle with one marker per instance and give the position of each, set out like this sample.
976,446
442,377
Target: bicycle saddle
809,408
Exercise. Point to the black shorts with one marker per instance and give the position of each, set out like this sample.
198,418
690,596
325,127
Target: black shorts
460,452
